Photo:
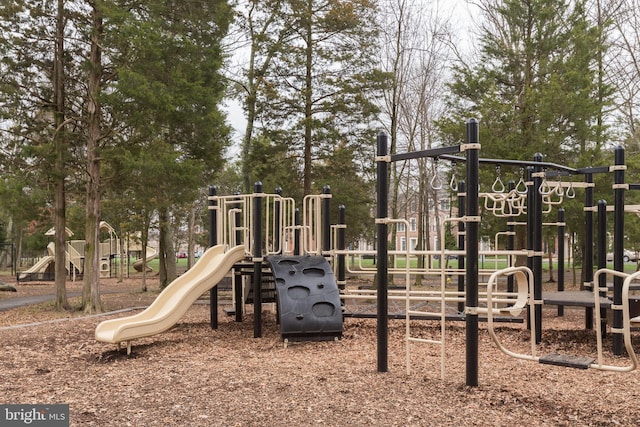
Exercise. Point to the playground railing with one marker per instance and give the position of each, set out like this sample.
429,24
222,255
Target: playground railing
235,222
525,276
312,223
627,321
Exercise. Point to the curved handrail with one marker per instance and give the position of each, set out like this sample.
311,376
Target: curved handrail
626,321
523,276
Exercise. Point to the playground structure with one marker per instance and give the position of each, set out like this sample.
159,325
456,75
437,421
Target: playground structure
533,197
109,249
261,236
253,235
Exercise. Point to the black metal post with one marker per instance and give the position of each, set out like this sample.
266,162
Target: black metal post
531,210
237,289
462,210
238,277
472,231
511,238
601,253
530,213
297,235
561,249
618,246
587,261
382,251
257,260
213,240
537,246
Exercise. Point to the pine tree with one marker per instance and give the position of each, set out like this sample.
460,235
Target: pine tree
339,171
39,105
322,88
166,96
535,88
533,85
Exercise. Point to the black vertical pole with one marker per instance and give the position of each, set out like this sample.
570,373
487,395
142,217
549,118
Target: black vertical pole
237,282
537,246
561,228
601,253
531,210
472,231
297,235
257,260
238,221
618,246
511,238
382,251
326,220
530,213
587,261
213,240
462,210
342,239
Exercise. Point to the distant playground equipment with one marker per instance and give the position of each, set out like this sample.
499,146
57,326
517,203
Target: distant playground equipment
109,249
151,254
261,239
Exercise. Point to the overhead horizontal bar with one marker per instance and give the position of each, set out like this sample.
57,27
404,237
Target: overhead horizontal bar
433,152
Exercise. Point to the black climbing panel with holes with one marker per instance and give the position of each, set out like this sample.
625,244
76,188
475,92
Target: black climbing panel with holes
308,298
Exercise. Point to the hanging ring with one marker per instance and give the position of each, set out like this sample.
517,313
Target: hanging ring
453,184
435,182
521,186
559,190
544,188
571,193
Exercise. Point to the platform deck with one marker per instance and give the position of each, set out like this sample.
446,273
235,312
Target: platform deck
574,299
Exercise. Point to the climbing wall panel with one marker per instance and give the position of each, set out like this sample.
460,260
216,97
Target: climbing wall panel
308,298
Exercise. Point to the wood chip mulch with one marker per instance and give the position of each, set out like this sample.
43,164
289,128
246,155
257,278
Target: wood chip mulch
193,375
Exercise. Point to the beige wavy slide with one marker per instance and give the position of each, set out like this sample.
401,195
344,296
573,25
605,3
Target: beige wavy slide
174,300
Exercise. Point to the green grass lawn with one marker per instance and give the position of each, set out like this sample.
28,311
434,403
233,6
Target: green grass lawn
488,263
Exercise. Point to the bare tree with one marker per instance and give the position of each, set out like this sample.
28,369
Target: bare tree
417,60
261,28
624,63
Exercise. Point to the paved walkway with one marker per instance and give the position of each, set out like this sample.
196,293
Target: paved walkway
9,303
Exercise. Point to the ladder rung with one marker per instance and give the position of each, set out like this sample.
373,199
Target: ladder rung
424,340
424,313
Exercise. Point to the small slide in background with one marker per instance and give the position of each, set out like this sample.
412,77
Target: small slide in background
151,254
36,270
43,269
174,300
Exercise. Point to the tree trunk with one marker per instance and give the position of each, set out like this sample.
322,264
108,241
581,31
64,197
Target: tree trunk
91,289
19,249
60,220
250,108
143,253
308,101
550,242
191,237
166,252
